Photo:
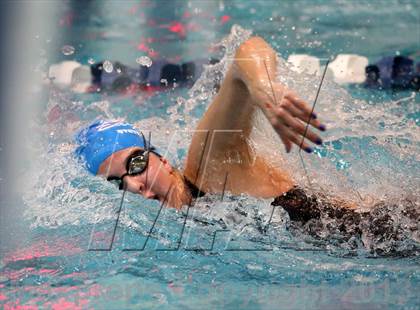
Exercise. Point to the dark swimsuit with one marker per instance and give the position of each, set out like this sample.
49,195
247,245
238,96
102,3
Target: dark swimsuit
195,192
303,207
296,202
321,219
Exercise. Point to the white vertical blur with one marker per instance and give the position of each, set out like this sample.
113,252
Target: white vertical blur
27,42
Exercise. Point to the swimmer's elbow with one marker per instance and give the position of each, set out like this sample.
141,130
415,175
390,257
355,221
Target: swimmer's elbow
252,59
254,41
254,46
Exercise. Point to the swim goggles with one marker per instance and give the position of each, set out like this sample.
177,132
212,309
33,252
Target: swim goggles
136,164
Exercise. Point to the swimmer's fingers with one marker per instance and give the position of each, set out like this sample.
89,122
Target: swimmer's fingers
286,142
301,104
283,133
305,110
296,112
278,126
288,136
297,126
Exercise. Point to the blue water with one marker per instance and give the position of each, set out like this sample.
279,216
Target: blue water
370,150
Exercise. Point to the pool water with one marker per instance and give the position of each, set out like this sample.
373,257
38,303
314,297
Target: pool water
226,252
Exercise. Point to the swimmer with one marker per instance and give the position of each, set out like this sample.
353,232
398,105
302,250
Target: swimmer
122,155
393,72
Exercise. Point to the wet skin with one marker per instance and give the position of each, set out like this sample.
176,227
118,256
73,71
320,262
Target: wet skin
153,183
247,87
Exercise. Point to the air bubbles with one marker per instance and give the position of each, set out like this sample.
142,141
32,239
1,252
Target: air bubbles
91,61
144,61
68,50
107,66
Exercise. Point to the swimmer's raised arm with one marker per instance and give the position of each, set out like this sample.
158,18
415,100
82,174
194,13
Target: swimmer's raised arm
256,66
248,85
220,156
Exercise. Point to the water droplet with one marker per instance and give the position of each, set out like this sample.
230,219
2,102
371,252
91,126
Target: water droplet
118,70
144,61
164,81
108,67
91,61
67,50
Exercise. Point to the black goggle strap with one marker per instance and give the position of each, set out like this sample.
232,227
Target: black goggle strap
148,144
148,150
121,185
117,181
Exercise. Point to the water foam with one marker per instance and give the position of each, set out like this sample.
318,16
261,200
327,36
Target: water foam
61,193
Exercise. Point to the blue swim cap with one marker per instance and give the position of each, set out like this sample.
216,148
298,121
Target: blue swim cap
102,138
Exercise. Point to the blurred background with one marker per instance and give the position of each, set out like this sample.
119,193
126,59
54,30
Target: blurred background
38,34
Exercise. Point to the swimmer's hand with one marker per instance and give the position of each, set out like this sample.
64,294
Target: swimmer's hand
288,114
256,65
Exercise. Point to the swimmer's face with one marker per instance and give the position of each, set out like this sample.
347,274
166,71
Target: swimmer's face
153,183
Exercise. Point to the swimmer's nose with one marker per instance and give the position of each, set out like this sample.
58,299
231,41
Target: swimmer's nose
149,194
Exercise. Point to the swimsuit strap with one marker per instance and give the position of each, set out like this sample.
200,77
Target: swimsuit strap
195,191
